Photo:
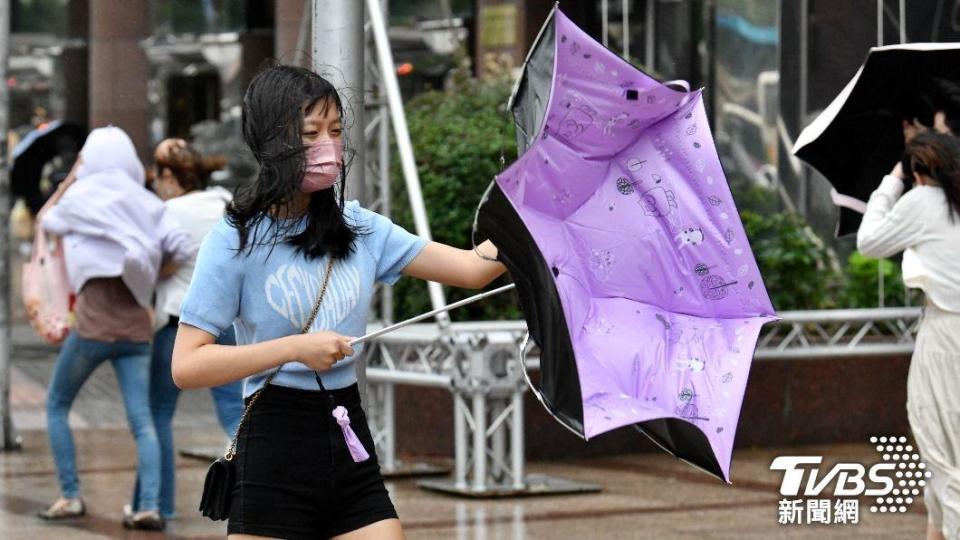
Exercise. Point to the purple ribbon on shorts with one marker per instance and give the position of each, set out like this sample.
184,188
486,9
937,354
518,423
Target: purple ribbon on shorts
357,451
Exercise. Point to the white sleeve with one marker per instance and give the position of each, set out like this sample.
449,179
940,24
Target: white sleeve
890,225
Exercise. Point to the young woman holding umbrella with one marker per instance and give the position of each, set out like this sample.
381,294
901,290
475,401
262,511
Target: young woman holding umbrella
925,224
292,267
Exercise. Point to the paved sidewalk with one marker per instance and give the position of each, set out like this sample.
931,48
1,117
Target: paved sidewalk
644,496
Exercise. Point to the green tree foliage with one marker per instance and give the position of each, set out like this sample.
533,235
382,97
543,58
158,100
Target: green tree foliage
863,281
793,262
459,136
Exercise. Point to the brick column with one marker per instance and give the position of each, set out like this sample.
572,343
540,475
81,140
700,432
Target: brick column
288,16
119,70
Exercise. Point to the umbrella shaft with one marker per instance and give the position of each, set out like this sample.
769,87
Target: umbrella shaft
429,314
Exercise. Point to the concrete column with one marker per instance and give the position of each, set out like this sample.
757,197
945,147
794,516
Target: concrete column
75,69
119,70
290,17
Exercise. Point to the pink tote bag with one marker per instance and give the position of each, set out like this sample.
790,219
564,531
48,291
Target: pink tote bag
47,294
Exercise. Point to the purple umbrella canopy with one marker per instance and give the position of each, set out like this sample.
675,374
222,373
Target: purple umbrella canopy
632,266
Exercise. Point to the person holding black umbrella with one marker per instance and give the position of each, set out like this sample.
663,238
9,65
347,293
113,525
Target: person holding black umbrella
936,109
925,224
859,136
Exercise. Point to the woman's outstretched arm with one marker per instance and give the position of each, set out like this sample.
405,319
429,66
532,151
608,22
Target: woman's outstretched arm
456,267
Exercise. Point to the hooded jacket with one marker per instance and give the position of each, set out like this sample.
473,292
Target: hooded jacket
111,224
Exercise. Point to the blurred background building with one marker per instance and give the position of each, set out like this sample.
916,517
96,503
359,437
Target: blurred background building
161,68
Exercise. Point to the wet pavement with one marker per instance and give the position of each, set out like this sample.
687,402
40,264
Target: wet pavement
644,495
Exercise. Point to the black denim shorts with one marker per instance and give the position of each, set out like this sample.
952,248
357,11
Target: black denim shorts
294,474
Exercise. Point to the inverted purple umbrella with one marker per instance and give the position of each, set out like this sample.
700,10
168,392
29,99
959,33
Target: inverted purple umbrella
632,267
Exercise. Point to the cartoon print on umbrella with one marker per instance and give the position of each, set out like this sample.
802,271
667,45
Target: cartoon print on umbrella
579,116
687,407
692,236
657,312
693,364
658,202
626,186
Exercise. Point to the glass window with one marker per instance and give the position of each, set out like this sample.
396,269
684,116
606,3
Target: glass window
39,16
200,16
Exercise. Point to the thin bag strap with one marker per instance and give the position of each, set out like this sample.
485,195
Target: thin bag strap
306,328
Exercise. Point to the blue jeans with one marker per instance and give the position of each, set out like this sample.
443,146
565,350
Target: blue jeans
227,400
78,358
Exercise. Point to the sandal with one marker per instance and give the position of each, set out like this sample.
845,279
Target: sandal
64,509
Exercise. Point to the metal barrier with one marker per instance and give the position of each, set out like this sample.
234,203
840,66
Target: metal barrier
840,332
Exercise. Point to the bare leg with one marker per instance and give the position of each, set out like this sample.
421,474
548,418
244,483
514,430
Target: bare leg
244,537
933,533
388,529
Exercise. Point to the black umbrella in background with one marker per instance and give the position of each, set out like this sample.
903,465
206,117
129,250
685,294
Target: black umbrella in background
858,138
35,150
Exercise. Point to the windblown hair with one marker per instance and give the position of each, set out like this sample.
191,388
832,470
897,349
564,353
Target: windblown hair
937,155
189,167
272,126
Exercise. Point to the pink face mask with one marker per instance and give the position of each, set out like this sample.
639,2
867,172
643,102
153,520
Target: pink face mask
324,159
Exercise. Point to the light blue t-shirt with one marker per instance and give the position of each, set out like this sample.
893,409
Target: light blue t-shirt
270,295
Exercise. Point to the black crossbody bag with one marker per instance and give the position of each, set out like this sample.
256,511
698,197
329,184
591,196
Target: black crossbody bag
218,485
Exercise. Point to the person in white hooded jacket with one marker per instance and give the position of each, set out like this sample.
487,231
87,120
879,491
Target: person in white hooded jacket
116,237
924,223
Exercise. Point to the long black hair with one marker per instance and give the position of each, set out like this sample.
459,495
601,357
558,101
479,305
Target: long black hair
272,125
937,155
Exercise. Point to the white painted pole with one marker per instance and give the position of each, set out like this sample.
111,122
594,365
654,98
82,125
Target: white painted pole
626,29
879,23
516,439
8,438
460,441
479,438
388,78
605,22
651,29
903,21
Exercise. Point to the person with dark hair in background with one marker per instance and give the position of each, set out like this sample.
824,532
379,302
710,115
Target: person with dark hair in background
925,224
293,267
937,109
180,177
